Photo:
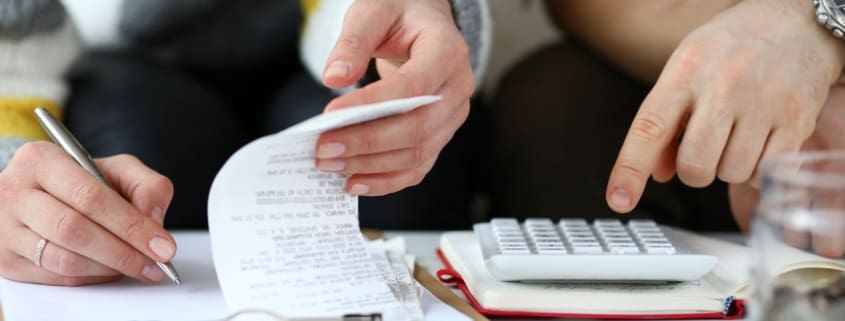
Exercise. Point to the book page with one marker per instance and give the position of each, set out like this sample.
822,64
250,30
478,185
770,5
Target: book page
732,273
285,236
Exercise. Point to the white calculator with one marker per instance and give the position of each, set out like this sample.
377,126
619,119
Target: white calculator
606,250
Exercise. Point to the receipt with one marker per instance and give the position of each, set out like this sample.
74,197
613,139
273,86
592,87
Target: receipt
394,271
285,236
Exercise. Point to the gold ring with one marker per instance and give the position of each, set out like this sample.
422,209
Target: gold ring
39,249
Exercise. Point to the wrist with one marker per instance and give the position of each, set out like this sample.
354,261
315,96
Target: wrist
830,32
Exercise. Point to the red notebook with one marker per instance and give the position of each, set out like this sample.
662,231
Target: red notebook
713,297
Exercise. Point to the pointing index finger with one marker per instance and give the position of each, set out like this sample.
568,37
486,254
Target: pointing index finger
651,131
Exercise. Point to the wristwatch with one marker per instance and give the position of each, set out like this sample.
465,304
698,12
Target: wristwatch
831,13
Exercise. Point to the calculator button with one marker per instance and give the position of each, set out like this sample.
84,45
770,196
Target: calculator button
573,222
500,221
551,251
538,222
660,249
587,248
607,222
624,249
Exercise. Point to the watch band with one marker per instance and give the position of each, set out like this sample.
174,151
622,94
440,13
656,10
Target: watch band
830,14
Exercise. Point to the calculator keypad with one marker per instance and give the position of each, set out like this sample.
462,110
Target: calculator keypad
576,236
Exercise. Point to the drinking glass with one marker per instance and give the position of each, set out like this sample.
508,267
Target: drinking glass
798,239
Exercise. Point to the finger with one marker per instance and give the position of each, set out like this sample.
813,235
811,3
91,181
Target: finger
391,161
664,170
71,230
386,183
433,61
654,127
701,147
780,141
145,188
54,258
743,202
401,131
743,151
20,269
84,193
828,242
360,36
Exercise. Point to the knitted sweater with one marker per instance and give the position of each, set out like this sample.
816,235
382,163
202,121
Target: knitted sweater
39,41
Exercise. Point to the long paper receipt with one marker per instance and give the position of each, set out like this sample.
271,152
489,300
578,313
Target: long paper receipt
285,236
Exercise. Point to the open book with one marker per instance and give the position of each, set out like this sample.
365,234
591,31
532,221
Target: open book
719,294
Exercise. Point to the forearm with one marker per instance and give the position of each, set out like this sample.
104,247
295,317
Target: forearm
638,36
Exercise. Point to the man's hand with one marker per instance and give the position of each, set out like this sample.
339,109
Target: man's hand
829,135
749,83
418,51
94,234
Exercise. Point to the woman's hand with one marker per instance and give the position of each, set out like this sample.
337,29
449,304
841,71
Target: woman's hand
418,51
93,234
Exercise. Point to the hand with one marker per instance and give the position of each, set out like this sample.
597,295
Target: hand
748,83
829,135
419,51
94,234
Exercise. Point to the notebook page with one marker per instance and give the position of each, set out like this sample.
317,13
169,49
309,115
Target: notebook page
285,236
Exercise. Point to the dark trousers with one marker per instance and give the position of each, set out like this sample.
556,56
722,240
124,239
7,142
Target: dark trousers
185,124
559,119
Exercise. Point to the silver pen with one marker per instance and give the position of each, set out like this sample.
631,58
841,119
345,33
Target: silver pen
62,137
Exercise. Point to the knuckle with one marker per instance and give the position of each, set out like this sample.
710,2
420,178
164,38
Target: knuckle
693,172
90,197
125,262
418,156
351,41
633,171
70,229
423,130
125,158
133,226
650,127
31,153
70,264
163,184
734,176
370,142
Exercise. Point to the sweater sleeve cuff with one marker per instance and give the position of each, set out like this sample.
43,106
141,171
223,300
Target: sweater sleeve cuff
476,26
8,146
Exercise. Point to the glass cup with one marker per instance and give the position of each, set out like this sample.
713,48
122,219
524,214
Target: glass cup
798,238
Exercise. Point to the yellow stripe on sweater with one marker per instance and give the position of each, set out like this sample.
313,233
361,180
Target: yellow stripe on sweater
17,116
308,7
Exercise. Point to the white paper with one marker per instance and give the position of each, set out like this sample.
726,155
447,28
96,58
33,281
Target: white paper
197,299
285,236
391,265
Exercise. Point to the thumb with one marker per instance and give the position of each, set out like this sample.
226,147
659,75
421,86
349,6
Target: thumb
365,27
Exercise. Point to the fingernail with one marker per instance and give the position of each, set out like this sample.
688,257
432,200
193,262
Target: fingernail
338,68
163,248
331,150
620,198
158,214
359,189
153,273
331,165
